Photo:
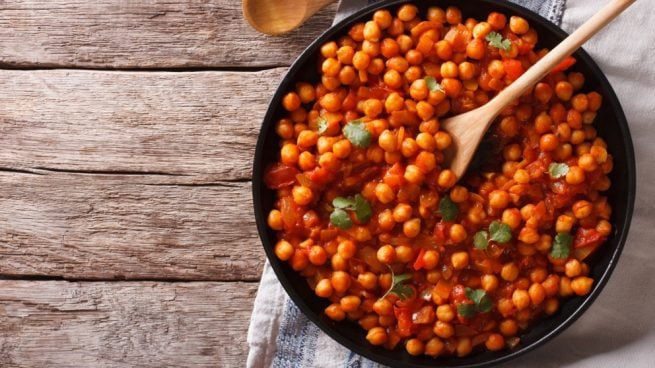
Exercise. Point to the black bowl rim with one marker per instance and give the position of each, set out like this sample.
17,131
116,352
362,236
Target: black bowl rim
258,181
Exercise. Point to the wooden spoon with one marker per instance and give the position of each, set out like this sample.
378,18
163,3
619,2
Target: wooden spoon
276,17
468,129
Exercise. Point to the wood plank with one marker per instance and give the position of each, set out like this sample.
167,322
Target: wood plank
59,324
143,34
201,123
81,226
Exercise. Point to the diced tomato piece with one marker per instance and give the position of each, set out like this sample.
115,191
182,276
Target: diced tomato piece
404,317
280,175
458,37
588,238
291,214
513,68
563,65
419,263
440,230
319,175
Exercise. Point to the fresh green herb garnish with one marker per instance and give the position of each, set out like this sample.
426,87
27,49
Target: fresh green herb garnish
557,171
339,217
357,134
448,208
561,245
481,240
363,210
497,41
500,232
482,303
398,286
433,85
322,125
343,203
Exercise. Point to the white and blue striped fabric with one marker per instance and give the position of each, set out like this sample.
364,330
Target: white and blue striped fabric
280,336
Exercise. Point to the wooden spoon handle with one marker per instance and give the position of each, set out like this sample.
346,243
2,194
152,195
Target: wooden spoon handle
559,53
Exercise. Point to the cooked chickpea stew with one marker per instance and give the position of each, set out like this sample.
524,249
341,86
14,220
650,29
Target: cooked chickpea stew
369,213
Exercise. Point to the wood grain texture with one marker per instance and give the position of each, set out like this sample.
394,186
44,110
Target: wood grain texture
59,324
200,123
83,226
144,34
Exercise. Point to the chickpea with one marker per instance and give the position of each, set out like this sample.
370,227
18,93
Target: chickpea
495,341
457,233
537,293
564,90
414,347
551,306
529,235
509,272
368,280
373,107
407,12
350,303
576,175
402,212
430,259
324,288
284,250
377,336
274,220
383,307
582,209
434,347
459,260
581,285
372,31
445,313
521,299
512,217
548,142
289,154
386,254
446,179
459,194
572,268
496,20
331,102
419,89
443,329
426,141
340,281
508,327
385,220
499,199
317,255
444,50
464,346
411,228
518,25
442,140
564,223
302,195
489,282
361,60
383,18
335,313
384,193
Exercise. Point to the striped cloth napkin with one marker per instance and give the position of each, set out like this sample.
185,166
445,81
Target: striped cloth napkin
280,336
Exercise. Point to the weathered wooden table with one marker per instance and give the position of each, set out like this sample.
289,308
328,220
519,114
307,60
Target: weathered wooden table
127,131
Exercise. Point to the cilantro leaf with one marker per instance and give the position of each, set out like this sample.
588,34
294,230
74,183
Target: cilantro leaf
467,310
322,125
500,232
481,239
448,208
497,41
556,170
363,209
357,134
433,85
343,203
340,219
561,245
482,303
398,286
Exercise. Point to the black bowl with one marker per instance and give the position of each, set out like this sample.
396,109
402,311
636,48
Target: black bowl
610,123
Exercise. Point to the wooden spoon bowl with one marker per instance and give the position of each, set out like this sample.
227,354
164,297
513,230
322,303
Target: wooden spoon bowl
277,17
